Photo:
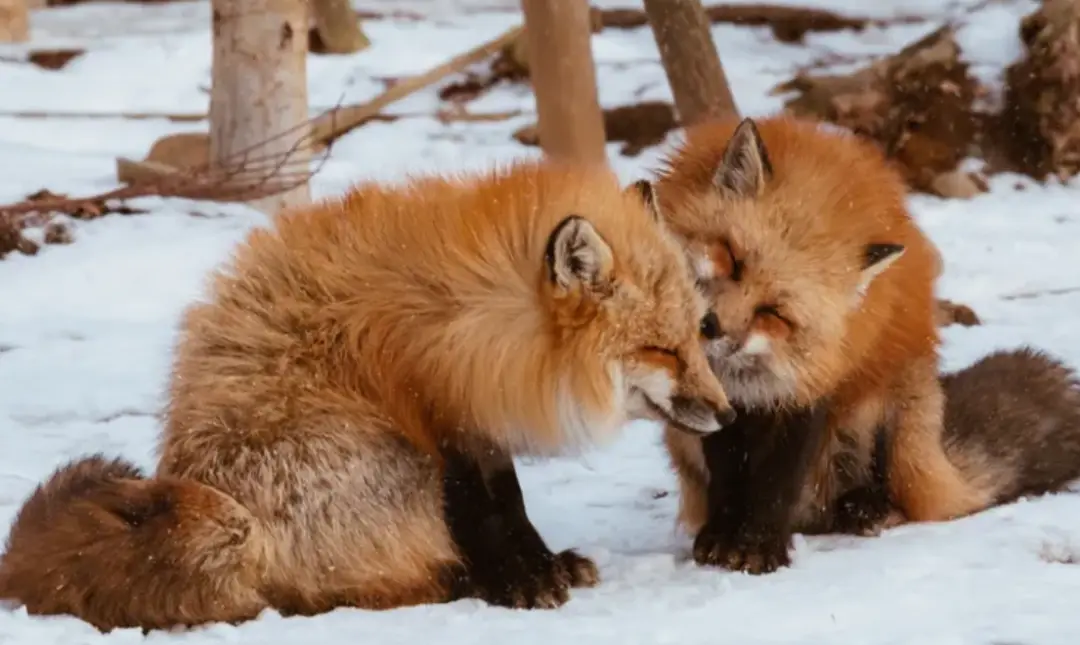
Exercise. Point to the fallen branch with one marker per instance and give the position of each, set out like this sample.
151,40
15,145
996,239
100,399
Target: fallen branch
788,24
1028,295
60,114
333,124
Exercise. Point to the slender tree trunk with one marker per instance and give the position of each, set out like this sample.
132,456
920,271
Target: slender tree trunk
338,27
690,60
14,21
258,100
563,76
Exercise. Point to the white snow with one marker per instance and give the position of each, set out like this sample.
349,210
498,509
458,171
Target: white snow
86,329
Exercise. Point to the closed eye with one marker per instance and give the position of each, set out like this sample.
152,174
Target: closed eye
661,350
771,310
736,264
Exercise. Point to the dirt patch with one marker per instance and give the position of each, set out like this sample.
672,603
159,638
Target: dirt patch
13,226
1040,125
917,105
53,59
637,126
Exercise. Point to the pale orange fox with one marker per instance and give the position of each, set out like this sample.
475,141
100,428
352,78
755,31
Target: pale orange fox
344,406
822,287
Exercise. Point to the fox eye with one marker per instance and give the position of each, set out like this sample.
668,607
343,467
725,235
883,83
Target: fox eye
661,350
771,310
736,265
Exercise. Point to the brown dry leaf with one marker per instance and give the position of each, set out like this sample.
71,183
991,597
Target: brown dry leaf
54,59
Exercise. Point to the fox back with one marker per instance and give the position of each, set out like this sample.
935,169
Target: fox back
538,303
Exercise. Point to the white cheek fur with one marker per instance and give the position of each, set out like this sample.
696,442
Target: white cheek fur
657,385
704,267
757,345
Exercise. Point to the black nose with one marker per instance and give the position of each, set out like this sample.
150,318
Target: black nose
726,417
710,326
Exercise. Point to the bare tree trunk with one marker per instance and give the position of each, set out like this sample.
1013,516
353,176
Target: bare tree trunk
690,60
14,21
563,73
338,27
258,100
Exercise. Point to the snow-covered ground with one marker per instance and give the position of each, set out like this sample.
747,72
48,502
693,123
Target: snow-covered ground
85,334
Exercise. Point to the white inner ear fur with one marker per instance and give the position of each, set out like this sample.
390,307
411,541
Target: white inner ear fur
580,254
744,167
871,272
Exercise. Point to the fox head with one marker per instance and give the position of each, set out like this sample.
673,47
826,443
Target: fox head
625,310
788,242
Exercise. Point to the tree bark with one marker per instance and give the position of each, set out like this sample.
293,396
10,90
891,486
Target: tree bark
563,73
258,98
691,62
14,21
338,27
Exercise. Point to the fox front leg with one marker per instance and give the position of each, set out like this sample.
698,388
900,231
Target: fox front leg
507,561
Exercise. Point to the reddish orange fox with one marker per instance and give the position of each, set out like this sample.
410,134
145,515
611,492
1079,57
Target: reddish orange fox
344,407
824,316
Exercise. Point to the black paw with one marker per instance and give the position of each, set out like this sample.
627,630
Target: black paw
863,511
579,570
753,553
533,579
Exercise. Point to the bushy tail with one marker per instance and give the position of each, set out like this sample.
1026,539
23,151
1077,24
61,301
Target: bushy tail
1012,423
100,541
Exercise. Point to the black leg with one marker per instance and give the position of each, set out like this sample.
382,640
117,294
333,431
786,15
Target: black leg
865,509
505,489
756,478
507,561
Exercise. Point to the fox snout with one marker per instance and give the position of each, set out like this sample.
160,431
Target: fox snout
700,416
699,404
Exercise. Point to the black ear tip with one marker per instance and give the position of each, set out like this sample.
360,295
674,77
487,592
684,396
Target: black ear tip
877,252
748,124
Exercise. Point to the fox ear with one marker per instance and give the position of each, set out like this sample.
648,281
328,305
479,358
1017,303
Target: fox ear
745,167
577,256
644,189
876,258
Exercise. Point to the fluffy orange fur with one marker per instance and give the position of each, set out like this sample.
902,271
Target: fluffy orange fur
341,347
778,220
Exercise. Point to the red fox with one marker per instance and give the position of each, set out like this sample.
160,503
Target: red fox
823,316
344,406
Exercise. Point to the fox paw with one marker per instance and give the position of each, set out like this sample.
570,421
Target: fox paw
863,511
754,554
577,569
536,579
